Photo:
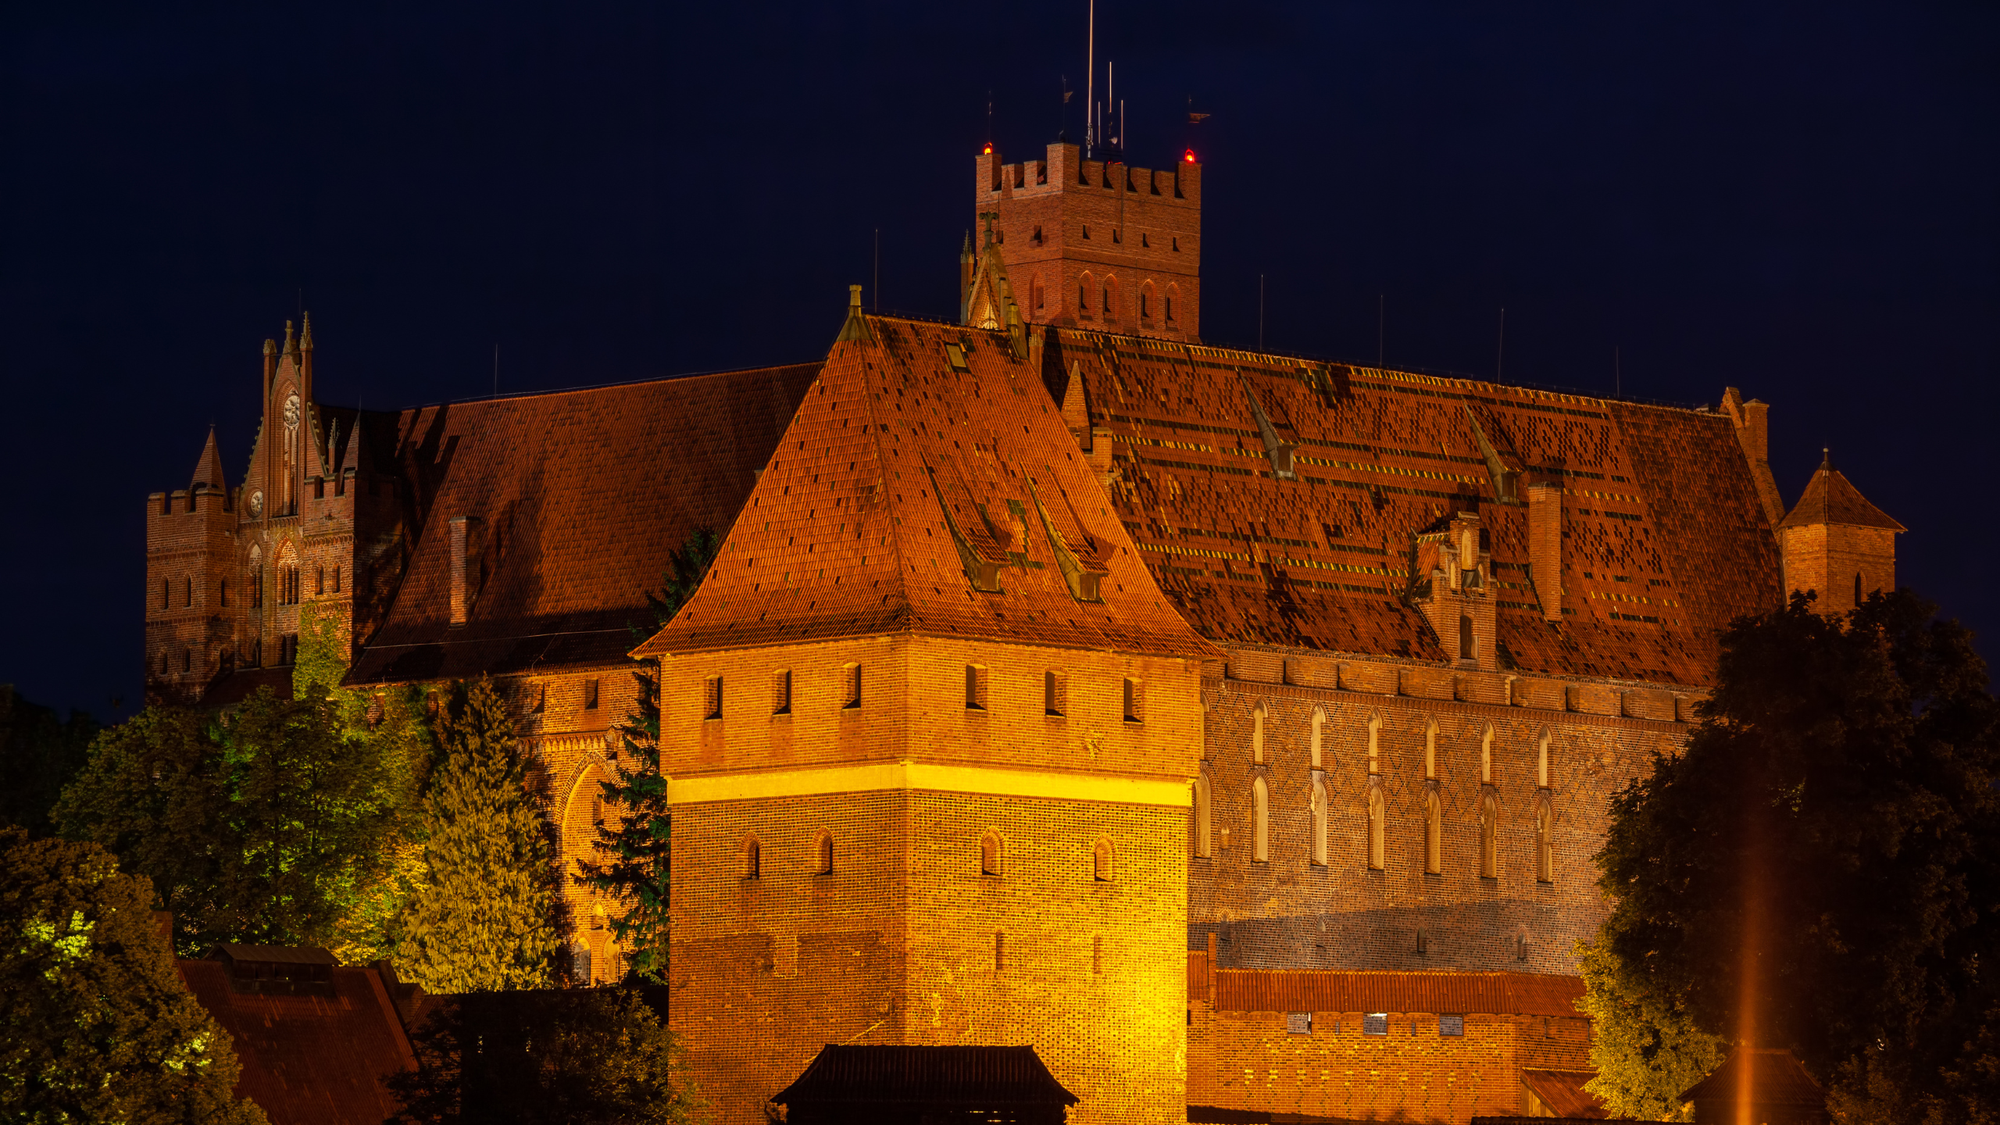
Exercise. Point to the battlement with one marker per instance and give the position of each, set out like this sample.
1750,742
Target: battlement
1095,243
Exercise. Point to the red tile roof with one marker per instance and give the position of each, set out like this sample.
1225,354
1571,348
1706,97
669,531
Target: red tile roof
1449,993
924,450
311,1059
581,496
1830,498
1562,1091
933,1077
1665,539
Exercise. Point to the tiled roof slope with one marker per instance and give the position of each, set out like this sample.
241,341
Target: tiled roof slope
581,496
1664,543
1562,1091
907,464
311,1060
1450,993
1830,498
1776,1078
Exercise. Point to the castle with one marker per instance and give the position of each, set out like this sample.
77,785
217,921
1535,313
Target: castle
1234,728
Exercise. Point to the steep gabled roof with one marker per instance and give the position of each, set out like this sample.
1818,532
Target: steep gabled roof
925,460
1664,538
1830,498
580,497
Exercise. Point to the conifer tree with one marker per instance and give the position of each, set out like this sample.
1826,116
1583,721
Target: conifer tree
95,1023
488,917
635,841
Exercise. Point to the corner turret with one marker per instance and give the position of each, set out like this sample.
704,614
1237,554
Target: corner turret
1836,544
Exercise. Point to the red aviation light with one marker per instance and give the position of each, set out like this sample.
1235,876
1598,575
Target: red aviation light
1189,157
988,150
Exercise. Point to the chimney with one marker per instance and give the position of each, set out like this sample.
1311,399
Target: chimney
462,528
1753,433
1545,545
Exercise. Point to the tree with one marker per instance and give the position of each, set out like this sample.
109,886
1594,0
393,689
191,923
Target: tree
599,1056
1646,1051
258,830
635,841
97,1023
1834,825
488,916
39,753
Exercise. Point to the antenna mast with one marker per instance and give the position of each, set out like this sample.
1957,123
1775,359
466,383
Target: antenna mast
1090,87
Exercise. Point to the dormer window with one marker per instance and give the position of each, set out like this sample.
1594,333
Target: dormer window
955,355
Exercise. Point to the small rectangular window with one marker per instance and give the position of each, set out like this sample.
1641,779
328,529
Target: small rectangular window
1055,693
590,695
781,692
1298,1023
975,688
850,694
1135,701
711,698
1375,1023
319,488
1451,1027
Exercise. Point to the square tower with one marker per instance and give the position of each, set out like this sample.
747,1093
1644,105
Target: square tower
930,731
1097,244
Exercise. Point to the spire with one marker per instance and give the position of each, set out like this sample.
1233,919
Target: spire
856,327
306,335
270,362
306,359
291,345
1830,498
208,470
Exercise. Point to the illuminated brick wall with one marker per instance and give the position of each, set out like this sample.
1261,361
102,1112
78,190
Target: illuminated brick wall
1292,912
897,943
1826,558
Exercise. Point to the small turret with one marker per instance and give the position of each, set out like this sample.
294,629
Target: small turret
1836,544
208,470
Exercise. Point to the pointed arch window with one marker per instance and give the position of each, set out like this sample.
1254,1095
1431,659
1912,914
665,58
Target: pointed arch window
1433,832
1083,290
992,852
1545,844
1101,862
1486,757
823,853
1204,842
1489,834
1257,735
1318,802
1544,765
1374,746
753,858
1377,843
1318,735
1260,822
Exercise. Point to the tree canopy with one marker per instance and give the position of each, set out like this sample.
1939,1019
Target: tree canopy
1834,825
39,753
487,915
95,1022
259,826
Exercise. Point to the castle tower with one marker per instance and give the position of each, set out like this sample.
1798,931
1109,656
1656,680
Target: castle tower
1097,244
1837,544
191,605
930,729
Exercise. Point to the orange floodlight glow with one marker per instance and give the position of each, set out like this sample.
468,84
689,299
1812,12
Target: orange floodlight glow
988,151
1189,157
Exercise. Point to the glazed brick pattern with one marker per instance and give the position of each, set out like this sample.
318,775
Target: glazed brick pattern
1132,228
1291,913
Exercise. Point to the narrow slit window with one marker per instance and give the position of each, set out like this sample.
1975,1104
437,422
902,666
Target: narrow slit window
1260,822
851,687
975,687
187,593
1135,701
1055,693
753,859
711,698
823,854
590,694
781,692
990,854
1101,860
999,952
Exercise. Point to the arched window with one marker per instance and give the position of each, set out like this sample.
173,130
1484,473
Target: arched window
1260,822
990,854
1545,844
1083,293
1489,834
1110,296
1101,861
1204,844
823,853
1374,745
753,858
1486,757
1433,833
187,593
1173,291
1257,735
1543,771
1464,636
1431,750
1377,829
1146,301
1318,725
1319,822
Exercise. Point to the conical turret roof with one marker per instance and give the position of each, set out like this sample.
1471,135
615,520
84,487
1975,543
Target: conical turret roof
208,470
1829,498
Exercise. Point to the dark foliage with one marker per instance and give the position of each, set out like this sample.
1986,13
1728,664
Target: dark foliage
597,1056
1842,780
95,1023
39,753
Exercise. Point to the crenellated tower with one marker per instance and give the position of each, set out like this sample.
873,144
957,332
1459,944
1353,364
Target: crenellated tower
1094,243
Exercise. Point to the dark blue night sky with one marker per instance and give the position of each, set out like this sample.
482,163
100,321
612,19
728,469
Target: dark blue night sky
1800,201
